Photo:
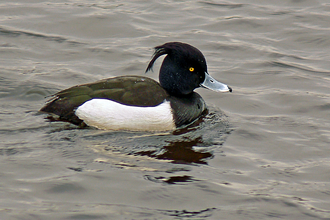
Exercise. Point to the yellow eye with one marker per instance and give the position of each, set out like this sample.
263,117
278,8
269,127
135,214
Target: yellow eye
191,69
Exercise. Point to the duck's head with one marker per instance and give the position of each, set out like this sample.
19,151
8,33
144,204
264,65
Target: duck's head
184,69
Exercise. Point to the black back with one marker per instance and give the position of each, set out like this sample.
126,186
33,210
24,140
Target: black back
127,90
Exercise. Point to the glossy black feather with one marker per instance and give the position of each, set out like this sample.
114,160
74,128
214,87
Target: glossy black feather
175,75
180,52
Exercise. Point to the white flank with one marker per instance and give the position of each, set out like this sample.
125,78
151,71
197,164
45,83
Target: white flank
109,115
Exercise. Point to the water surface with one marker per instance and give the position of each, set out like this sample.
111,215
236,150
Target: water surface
262,152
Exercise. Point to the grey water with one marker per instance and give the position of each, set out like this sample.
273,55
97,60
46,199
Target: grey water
261,153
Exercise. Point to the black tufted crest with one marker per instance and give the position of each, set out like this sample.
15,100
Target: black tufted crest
178,51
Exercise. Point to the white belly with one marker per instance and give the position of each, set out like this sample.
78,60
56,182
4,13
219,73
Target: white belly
110,115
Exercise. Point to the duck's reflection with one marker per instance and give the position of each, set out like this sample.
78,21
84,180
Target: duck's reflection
181,151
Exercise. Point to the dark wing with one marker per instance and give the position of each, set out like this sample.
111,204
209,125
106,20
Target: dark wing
127,90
